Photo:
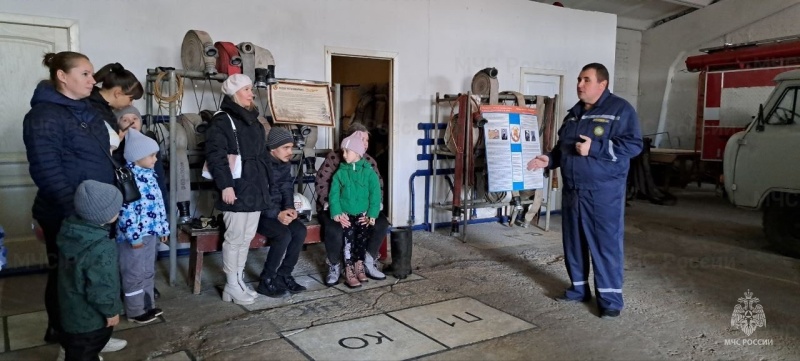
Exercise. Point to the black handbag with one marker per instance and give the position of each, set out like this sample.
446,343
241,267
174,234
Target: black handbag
126,183
125,180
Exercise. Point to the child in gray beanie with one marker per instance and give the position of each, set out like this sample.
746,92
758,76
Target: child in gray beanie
88,272
141,225
126,117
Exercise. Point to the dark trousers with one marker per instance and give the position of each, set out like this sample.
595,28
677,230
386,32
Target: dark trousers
593,225
285,244
356,238
332,236
85,346
50,228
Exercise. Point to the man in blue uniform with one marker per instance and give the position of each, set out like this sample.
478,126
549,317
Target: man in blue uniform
599,136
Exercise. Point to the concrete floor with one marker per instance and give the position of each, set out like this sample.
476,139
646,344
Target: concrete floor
686,267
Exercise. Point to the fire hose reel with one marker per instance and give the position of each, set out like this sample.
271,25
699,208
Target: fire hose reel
198,52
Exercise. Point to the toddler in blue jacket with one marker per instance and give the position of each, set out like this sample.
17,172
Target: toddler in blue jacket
141,225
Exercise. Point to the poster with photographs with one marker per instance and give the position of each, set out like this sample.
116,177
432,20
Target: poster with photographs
512,139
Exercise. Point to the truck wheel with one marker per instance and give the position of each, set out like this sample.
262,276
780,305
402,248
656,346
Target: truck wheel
782,223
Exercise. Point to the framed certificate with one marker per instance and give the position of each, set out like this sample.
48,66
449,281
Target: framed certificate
301,102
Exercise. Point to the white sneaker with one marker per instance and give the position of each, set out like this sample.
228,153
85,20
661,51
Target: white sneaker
373,268
114,345
334,270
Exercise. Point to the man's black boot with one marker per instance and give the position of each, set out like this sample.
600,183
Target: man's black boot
290,284
184,213
271,287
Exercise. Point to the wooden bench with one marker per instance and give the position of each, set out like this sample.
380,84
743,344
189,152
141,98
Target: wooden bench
208,240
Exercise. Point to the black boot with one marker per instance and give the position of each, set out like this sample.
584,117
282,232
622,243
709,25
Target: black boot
271,287
290,284
311,166
402,243
184,216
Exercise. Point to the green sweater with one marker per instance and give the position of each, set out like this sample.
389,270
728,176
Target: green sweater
88,276
355,189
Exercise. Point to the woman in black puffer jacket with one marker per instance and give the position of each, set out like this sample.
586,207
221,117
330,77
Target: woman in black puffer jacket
242,199
67,143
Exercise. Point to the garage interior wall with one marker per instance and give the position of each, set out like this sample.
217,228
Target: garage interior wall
729,21
440,45
626,69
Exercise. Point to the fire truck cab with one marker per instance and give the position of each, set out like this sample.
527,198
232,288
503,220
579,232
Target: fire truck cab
748,117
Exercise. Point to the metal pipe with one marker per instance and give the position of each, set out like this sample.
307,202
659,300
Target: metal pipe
468,164
153,73
148,101
662,118
550,199
434,121
529,99
420,173
428,180
411,192
173,185
333,142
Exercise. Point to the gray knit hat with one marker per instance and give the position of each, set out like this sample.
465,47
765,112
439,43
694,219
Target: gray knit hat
138,145
97,202
278,137
130,109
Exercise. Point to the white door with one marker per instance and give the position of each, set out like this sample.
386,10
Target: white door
536,83
21,49
541,84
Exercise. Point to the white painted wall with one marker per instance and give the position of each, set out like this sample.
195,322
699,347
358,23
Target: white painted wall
729,21
626,67
440,45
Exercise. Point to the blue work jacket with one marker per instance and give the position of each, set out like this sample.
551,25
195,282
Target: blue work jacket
613,126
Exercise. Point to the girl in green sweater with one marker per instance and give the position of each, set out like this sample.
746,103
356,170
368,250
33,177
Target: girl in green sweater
355,191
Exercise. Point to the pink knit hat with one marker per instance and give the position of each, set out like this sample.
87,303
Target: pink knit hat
355,142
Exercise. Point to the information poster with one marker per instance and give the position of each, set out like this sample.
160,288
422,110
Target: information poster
512,139
301,102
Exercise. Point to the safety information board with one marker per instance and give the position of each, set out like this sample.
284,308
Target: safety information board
512,139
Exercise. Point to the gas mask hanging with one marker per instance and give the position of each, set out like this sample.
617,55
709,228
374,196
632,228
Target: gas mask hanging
258,64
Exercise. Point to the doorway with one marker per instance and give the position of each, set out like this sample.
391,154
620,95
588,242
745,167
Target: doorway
366,92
